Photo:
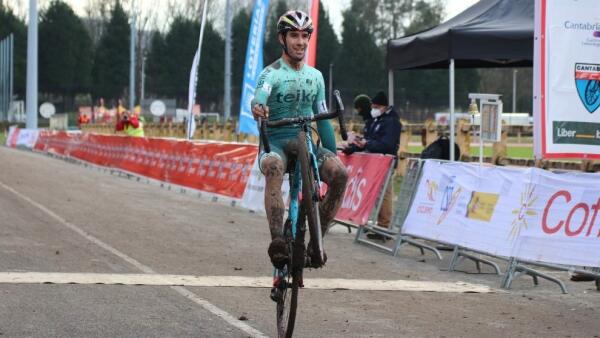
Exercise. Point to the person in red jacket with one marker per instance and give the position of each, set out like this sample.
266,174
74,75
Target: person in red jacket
131,125
83,119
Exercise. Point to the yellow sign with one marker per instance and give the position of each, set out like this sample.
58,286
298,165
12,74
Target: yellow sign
482,205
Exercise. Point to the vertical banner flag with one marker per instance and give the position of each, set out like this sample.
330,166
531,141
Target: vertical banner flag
567,79
191,122
253,66
311,56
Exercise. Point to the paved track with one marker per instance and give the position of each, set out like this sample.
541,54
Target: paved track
58,217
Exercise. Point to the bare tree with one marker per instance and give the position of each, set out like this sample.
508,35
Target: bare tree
97,14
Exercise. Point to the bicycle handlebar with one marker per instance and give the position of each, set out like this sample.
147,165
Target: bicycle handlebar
301,119
340,110
263,134
339,113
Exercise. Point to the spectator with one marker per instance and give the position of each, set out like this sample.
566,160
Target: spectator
131,125
362,105
83,119
382,136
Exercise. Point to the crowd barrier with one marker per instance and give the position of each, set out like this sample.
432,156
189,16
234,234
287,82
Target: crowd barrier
367,174
222,169
217,168
18,137
524,216
400,211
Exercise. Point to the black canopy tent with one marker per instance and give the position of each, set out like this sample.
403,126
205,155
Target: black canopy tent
491,33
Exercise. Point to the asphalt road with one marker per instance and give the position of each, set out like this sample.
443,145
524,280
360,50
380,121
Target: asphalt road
60,217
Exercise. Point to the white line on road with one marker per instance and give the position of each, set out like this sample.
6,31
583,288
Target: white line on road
231,320
237,281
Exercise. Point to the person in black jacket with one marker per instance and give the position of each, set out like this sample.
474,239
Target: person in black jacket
383,137
362,105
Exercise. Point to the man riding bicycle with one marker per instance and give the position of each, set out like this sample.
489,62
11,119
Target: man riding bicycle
290,88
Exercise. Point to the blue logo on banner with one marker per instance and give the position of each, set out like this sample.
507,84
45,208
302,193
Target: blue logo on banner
587,81
253,66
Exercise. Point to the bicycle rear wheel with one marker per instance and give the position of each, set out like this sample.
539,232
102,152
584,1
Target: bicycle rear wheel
310,204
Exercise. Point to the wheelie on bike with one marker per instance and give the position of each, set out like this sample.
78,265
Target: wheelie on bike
288,97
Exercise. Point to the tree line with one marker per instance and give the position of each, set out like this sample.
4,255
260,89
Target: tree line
82,59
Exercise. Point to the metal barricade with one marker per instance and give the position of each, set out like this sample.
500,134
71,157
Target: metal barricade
402,206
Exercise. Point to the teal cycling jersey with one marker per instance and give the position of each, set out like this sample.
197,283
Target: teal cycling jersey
293,93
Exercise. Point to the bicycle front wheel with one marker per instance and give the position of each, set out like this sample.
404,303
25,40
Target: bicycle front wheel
287,303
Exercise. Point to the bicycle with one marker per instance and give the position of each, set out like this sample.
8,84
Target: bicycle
304,172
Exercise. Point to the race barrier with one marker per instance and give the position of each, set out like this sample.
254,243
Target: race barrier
522,216
18,137
226,169
367,175
217,168
401,209
525,216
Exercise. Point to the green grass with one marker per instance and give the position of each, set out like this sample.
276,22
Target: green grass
2,138
512,152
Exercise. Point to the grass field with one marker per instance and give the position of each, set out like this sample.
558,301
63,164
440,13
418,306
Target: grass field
512,152
2,138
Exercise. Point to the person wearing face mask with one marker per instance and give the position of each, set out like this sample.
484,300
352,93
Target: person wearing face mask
362,105
382,136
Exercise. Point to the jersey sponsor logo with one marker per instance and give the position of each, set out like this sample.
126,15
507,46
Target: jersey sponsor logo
267,88
304,96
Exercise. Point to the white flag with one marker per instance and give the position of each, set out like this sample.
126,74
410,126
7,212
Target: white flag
191,123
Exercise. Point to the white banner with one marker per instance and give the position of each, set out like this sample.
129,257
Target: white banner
567,79
529,213
254,194
27,138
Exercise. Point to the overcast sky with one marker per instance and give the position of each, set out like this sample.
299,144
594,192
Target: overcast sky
334,7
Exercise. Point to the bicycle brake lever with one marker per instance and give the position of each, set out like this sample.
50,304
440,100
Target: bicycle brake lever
340,109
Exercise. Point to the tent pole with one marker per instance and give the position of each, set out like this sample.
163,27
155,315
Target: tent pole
451,109
391,86
514,98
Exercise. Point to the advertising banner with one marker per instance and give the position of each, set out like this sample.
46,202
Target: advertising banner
366,175
13,135
219,168
253,65
254,195
567,79
226,169
530,214
27,138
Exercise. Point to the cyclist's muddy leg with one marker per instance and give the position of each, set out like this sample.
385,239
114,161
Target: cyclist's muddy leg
334,174
272,167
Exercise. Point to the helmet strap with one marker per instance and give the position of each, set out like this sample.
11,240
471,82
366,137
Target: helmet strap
284,44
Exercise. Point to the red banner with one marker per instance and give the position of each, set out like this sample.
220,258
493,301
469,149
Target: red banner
13,136
220,168
366,176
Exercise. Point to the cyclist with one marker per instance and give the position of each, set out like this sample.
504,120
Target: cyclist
290,88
